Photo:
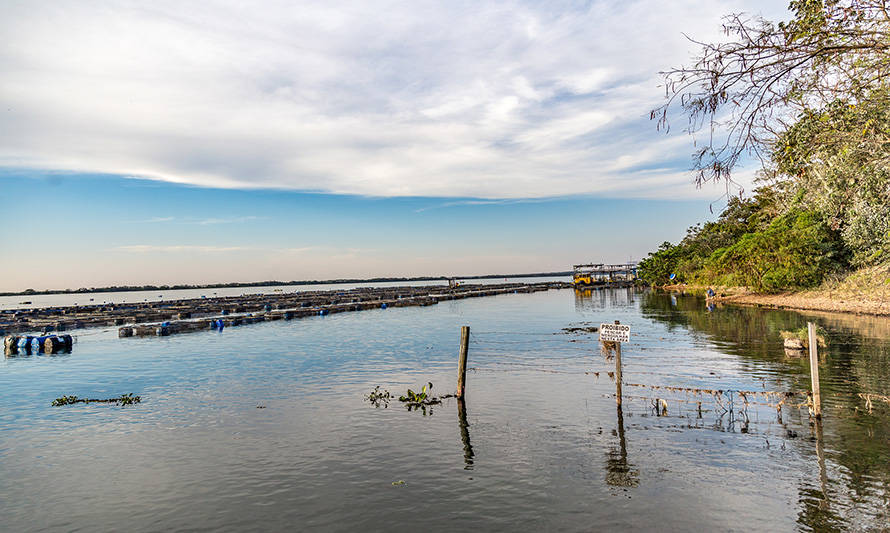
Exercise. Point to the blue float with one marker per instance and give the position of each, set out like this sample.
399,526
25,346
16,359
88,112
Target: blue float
25,345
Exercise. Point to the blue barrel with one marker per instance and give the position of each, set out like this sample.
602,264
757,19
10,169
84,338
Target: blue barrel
25,345
382,306
220,325
37,344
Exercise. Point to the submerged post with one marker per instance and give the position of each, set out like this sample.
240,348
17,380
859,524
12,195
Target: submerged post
814,370
462,360
618,370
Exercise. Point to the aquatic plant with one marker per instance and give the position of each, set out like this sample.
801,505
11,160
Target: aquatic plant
421,400
419,397
124,399
379,397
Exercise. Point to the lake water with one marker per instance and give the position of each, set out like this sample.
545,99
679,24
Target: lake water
538,444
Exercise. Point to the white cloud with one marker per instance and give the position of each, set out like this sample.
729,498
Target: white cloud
488,100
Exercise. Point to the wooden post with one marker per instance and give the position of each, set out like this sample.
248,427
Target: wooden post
814,370
618,371
462,360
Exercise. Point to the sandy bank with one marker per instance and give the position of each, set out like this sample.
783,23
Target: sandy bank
866,291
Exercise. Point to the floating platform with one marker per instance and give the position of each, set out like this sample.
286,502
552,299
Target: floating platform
197,314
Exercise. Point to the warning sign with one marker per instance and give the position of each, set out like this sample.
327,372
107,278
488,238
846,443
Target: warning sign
614,332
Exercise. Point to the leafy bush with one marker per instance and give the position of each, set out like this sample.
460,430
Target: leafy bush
795,251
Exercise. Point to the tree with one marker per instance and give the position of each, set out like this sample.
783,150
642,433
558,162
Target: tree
745,93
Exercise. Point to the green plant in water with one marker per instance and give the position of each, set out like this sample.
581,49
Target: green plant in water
418,397
64,400
379,397
421,400
124,399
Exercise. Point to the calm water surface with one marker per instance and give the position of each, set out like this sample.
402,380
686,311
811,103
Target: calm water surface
538,445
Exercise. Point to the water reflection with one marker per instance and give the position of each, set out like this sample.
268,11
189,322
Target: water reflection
465,434
850,456
619,472
596,298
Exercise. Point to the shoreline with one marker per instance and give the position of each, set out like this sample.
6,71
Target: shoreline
821,299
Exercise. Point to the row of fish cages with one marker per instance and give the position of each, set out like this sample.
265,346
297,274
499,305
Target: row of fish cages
177,316
15,345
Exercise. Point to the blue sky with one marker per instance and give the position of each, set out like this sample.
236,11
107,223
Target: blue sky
82,230
180,142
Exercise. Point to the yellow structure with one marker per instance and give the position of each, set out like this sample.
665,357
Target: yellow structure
590,274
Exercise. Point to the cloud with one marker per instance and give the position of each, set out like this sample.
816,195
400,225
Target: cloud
446,99
181,248
155,220
231,220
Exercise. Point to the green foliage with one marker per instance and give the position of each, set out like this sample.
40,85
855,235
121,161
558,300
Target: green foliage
795,251
418,397
810,97
422,400
749,244
834,159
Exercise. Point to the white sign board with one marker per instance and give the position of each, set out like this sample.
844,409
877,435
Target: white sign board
614,332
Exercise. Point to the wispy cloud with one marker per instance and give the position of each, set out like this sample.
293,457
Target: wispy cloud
153,220
462,203
449,99
230,220
150,248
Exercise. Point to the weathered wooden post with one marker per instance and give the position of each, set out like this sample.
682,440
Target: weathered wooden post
814,370
462,360
618,391
615,335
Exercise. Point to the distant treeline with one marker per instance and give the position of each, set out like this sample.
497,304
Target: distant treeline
134,288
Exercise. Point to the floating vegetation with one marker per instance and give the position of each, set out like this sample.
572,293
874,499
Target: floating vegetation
379,397
124,399
422,397
589,329
398,483
423,400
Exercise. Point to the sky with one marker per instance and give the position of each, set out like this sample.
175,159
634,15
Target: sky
171,142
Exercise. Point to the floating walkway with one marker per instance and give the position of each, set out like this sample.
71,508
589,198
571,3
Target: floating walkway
180,316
